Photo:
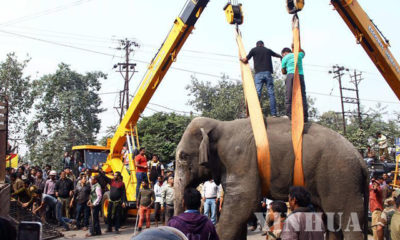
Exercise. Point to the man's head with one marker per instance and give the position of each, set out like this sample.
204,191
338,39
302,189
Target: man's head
95,179
385,176
171,181
145,184
165,233
155,158
276,209
260,44
48,167
39,174
117,176
21,170
299,197
83,179
380,179
80,163
160,179
13,177
285,51
33,171
66,154
67,170
191,199
62,175
142,151
379,134
53,174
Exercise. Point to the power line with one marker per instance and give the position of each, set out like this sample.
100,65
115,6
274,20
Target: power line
43,13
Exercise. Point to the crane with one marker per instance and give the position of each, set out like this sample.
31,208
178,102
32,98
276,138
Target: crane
365,31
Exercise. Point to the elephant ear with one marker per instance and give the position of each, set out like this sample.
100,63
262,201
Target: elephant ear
204,149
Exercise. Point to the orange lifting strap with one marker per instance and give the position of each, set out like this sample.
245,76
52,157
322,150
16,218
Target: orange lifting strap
256,119
297,110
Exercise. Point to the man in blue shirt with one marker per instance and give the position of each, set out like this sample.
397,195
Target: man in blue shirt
288,69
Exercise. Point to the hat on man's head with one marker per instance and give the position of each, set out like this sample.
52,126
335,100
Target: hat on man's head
53,173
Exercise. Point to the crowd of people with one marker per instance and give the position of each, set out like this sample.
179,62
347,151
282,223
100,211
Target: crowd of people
73,201
384,205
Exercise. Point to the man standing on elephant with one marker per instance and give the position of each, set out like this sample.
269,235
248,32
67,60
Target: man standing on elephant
295,227
263,68
141,168
288,68
210,198
375,206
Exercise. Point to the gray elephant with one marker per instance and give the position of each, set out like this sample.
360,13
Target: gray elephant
335,173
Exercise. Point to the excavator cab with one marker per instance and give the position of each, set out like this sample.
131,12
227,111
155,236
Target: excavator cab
294,6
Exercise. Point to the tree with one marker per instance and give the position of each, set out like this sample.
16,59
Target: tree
225,100
161,133
66,114
18,89
110,131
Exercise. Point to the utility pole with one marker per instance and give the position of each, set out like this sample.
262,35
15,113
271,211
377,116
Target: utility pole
356,79
337,71
3,136
127,70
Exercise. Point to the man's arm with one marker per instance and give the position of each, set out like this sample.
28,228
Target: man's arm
284,71
152,198
274,54
249,56
56,188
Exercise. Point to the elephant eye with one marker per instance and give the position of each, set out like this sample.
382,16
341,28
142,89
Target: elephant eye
182,156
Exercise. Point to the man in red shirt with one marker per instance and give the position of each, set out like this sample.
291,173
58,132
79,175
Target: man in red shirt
375,205
141,168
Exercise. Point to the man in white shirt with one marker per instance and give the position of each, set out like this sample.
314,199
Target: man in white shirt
383,146
158,187
210,198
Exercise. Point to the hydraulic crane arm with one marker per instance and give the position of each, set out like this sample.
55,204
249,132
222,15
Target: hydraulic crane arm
371,40
183,26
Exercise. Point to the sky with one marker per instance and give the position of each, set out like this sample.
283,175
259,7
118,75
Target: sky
43,29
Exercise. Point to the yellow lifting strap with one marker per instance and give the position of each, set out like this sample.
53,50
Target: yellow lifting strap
256,119
297,110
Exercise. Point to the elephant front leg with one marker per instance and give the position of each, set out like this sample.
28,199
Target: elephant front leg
235,212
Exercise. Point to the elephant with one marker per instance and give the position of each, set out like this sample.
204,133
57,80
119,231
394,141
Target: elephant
334,172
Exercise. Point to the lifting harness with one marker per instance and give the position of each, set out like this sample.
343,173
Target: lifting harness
234,15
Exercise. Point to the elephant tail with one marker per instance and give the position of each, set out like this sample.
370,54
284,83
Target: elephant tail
366,202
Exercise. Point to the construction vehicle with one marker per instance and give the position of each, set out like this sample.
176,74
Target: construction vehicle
367,34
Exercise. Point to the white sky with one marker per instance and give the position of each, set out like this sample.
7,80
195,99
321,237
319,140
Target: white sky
96,24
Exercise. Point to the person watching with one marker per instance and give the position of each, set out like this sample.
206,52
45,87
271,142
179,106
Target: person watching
194,225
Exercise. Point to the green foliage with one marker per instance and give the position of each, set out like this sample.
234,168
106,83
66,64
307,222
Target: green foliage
110,131
18,89
225,100
161,133
66,114
364,135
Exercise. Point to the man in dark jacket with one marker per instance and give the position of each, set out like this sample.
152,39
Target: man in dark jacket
116,203
81,197
193,224
64,190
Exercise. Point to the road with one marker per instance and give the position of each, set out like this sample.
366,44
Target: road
127,231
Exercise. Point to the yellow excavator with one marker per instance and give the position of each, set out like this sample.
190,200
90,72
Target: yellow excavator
366,33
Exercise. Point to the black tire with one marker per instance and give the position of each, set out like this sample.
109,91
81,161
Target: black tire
104,204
